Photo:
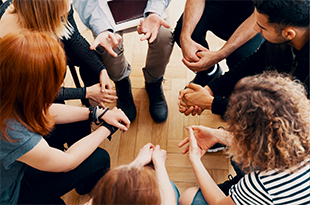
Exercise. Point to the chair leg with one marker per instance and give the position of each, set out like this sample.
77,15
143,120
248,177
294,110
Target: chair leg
76,81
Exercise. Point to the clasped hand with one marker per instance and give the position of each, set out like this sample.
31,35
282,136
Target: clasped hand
194,99
150,153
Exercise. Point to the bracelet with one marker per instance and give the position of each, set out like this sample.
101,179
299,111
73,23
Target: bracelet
112,129
98,118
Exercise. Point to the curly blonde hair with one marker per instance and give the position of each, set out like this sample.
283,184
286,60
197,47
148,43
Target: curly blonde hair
269,115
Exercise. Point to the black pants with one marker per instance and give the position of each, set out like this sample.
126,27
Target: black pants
39,187
223,18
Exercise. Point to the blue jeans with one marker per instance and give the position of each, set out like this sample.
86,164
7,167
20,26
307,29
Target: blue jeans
176,192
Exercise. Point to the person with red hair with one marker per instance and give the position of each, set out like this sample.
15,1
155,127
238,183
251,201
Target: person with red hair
33,65
137,183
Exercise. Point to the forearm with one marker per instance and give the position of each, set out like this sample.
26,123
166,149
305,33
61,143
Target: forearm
165,187
67,114
241,35
209,188
191,16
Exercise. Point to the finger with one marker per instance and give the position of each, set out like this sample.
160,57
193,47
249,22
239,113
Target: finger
157,148
102,104
184,151
165,23
114,40
146,36
183,142
194,86
194,111
139,30
149,145
121,126
108,85
181,93
95,44
153,37
194,66
192,139
199,110
189,111
110,92
110,50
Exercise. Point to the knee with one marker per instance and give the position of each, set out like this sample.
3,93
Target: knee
164,38
102,157
187,197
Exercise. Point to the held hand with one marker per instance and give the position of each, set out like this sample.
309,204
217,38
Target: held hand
117,118
105,81
107,40
184,108
198,97
205,138
190,48
159,157
206,59
94,93
150,26
144,157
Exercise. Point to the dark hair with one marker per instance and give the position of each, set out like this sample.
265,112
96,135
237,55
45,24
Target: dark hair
285,13
269,116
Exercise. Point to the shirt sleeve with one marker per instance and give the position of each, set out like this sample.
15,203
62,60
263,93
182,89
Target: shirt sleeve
156,6
70,94
250,190
11,151
80,48
92,15
224,85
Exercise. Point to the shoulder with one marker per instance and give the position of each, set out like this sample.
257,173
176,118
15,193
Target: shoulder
250,190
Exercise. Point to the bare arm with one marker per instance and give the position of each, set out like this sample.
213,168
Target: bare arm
166,191
191,16
241,35
209,58
211,192
46,158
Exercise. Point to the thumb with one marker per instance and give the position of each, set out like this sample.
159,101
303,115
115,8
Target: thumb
94,44
165,24
194,86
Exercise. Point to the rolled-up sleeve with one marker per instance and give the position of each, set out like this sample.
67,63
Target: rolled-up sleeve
156,6
92,15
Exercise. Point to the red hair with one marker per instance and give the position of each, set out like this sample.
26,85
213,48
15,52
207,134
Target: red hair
127,185
32,66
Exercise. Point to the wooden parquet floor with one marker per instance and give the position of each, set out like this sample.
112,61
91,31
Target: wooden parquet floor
124,147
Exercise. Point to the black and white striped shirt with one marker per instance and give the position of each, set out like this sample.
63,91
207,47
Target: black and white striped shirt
272,187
